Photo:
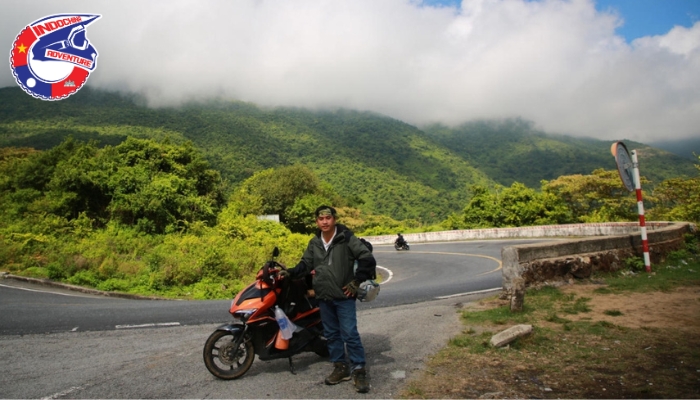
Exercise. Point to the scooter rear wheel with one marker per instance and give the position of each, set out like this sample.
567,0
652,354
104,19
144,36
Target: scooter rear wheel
223,360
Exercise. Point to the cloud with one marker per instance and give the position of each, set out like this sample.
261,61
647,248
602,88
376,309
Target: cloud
557,63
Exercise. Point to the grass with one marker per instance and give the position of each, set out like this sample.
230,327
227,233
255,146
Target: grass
570,354
613,313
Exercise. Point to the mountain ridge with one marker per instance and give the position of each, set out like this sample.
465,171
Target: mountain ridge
388,166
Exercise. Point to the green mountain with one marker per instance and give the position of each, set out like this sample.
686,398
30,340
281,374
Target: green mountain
688,148
382,165
513,151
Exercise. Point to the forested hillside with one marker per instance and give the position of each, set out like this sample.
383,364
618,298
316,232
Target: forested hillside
383,165
688,148
514,151
100,190
379,164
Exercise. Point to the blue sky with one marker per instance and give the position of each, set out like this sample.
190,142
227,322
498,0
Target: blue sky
607,69
641,17
651,17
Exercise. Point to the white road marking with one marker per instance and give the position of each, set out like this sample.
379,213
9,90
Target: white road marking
158,325
44,291
388,271
500,264
466,293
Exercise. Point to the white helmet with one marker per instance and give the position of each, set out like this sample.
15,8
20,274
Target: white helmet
368,290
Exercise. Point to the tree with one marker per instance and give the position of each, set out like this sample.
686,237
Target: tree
160,186
79,184
156,186
15,194
678,199
300,216
482,210
599,197
524,206
278,189
513,206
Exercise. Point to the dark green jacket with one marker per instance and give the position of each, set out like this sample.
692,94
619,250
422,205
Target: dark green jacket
334,268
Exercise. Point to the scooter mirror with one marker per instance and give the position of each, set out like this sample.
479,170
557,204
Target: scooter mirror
275,252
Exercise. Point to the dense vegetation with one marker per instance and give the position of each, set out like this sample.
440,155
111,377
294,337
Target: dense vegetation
598,197
102,191
379,164
386,166
150,217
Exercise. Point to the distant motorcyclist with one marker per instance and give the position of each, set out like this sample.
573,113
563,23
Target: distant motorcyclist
400,241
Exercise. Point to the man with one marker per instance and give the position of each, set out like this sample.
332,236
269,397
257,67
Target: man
400,240
331,254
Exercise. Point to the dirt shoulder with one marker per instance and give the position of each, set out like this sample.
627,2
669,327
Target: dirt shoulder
677,309
630,345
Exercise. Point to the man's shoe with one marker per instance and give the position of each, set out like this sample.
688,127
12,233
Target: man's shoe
340,373
361,380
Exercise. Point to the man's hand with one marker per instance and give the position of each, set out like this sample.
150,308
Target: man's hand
351,288
283,274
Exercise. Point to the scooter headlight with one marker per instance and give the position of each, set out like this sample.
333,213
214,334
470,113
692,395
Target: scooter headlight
243,315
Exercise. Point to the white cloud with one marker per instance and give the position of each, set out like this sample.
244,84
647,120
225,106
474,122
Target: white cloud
555,62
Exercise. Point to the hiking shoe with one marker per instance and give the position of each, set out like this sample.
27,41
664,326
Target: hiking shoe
361,380
340,373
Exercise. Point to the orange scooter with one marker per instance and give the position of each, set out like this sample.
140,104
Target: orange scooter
229,351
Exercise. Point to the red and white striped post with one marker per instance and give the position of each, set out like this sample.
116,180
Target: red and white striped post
640,208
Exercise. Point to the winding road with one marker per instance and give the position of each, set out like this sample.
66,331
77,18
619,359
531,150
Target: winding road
56,343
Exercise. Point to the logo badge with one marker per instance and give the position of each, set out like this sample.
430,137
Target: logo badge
52,58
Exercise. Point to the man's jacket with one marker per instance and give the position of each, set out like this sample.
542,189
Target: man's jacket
334,268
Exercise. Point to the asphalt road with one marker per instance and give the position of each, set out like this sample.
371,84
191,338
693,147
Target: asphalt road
60,344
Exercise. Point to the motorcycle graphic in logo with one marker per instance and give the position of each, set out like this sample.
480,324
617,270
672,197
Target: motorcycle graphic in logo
52,58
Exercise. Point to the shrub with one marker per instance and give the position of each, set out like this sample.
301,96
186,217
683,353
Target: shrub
55,271
84,278
635,264
114,285
36,272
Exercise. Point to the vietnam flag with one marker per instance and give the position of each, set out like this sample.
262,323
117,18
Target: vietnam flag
20,50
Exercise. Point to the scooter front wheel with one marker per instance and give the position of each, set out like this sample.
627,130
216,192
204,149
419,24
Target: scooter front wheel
223,359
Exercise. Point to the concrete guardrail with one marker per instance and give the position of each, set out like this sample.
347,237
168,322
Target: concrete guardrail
595,247
575,230
552,262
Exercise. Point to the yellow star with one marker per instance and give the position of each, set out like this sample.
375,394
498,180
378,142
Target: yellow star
22,48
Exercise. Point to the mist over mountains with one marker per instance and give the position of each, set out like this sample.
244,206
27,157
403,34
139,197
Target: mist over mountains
559,63
689,148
